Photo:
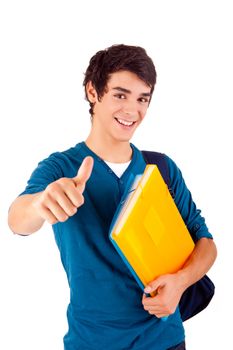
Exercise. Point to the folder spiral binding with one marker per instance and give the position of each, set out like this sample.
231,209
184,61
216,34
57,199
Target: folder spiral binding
148,231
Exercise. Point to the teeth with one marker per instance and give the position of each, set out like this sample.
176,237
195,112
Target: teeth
124,122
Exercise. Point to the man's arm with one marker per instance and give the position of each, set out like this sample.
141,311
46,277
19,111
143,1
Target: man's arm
56,203
199,263
23,217
170,287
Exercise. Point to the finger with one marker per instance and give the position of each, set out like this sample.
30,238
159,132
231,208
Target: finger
154,285
69,201
84,172
75,196
47,215
56,210
149,301
156,309
158,313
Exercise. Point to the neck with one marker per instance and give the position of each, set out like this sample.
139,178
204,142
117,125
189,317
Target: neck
110,150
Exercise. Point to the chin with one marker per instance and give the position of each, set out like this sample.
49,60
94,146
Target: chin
124,139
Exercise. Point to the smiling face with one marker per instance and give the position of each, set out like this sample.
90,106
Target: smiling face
121,109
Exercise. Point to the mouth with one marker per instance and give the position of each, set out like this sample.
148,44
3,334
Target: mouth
126,123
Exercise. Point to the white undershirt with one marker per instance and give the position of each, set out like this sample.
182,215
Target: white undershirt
118,168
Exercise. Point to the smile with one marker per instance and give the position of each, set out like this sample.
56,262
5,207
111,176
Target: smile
124,122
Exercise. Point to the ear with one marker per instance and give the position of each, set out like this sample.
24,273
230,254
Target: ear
91,92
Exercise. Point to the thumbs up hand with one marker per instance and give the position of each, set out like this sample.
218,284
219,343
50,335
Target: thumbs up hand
62,198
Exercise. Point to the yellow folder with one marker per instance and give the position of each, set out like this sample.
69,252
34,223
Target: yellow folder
148,231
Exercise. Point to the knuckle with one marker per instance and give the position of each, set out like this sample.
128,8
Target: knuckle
70,212
159,316
79,200
63,218
73,211
52,221
63,181
171,311
167,309
52,188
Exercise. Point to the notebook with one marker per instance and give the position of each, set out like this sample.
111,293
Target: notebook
148,231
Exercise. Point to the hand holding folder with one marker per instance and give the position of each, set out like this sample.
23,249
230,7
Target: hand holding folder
148,231
166,297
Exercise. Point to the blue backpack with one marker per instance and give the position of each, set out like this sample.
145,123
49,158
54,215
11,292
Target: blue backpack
197,296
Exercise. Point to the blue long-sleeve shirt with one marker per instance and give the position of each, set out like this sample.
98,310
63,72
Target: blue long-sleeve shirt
105,309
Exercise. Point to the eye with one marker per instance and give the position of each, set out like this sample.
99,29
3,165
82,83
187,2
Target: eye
120,96
143,99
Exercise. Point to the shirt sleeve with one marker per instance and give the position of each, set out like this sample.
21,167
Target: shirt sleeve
187,208
47,171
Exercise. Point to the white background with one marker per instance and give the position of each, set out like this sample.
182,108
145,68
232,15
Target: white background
45,49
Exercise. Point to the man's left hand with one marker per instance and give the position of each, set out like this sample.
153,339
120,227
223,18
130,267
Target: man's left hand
167,295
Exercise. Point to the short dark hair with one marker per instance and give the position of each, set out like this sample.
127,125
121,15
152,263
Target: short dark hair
118,58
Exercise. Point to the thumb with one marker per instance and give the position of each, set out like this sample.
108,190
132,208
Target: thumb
154,286
84,172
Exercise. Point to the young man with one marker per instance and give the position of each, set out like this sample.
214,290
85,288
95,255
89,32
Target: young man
78,190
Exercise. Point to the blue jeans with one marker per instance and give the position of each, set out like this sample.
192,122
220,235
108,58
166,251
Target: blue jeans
180,346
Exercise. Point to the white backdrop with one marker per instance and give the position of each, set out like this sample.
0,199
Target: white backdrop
45,48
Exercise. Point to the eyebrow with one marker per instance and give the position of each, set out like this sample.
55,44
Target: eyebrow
121,89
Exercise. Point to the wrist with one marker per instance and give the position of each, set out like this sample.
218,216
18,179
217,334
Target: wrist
183,279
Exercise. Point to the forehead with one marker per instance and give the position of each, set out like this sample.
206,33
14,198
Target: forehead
127,80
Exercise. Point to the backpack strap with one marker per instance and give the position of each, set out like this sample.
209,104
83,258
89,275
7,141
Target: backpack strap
160,160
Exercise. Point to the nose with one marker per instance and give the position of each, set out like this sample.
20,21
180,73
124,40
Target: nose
130,108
